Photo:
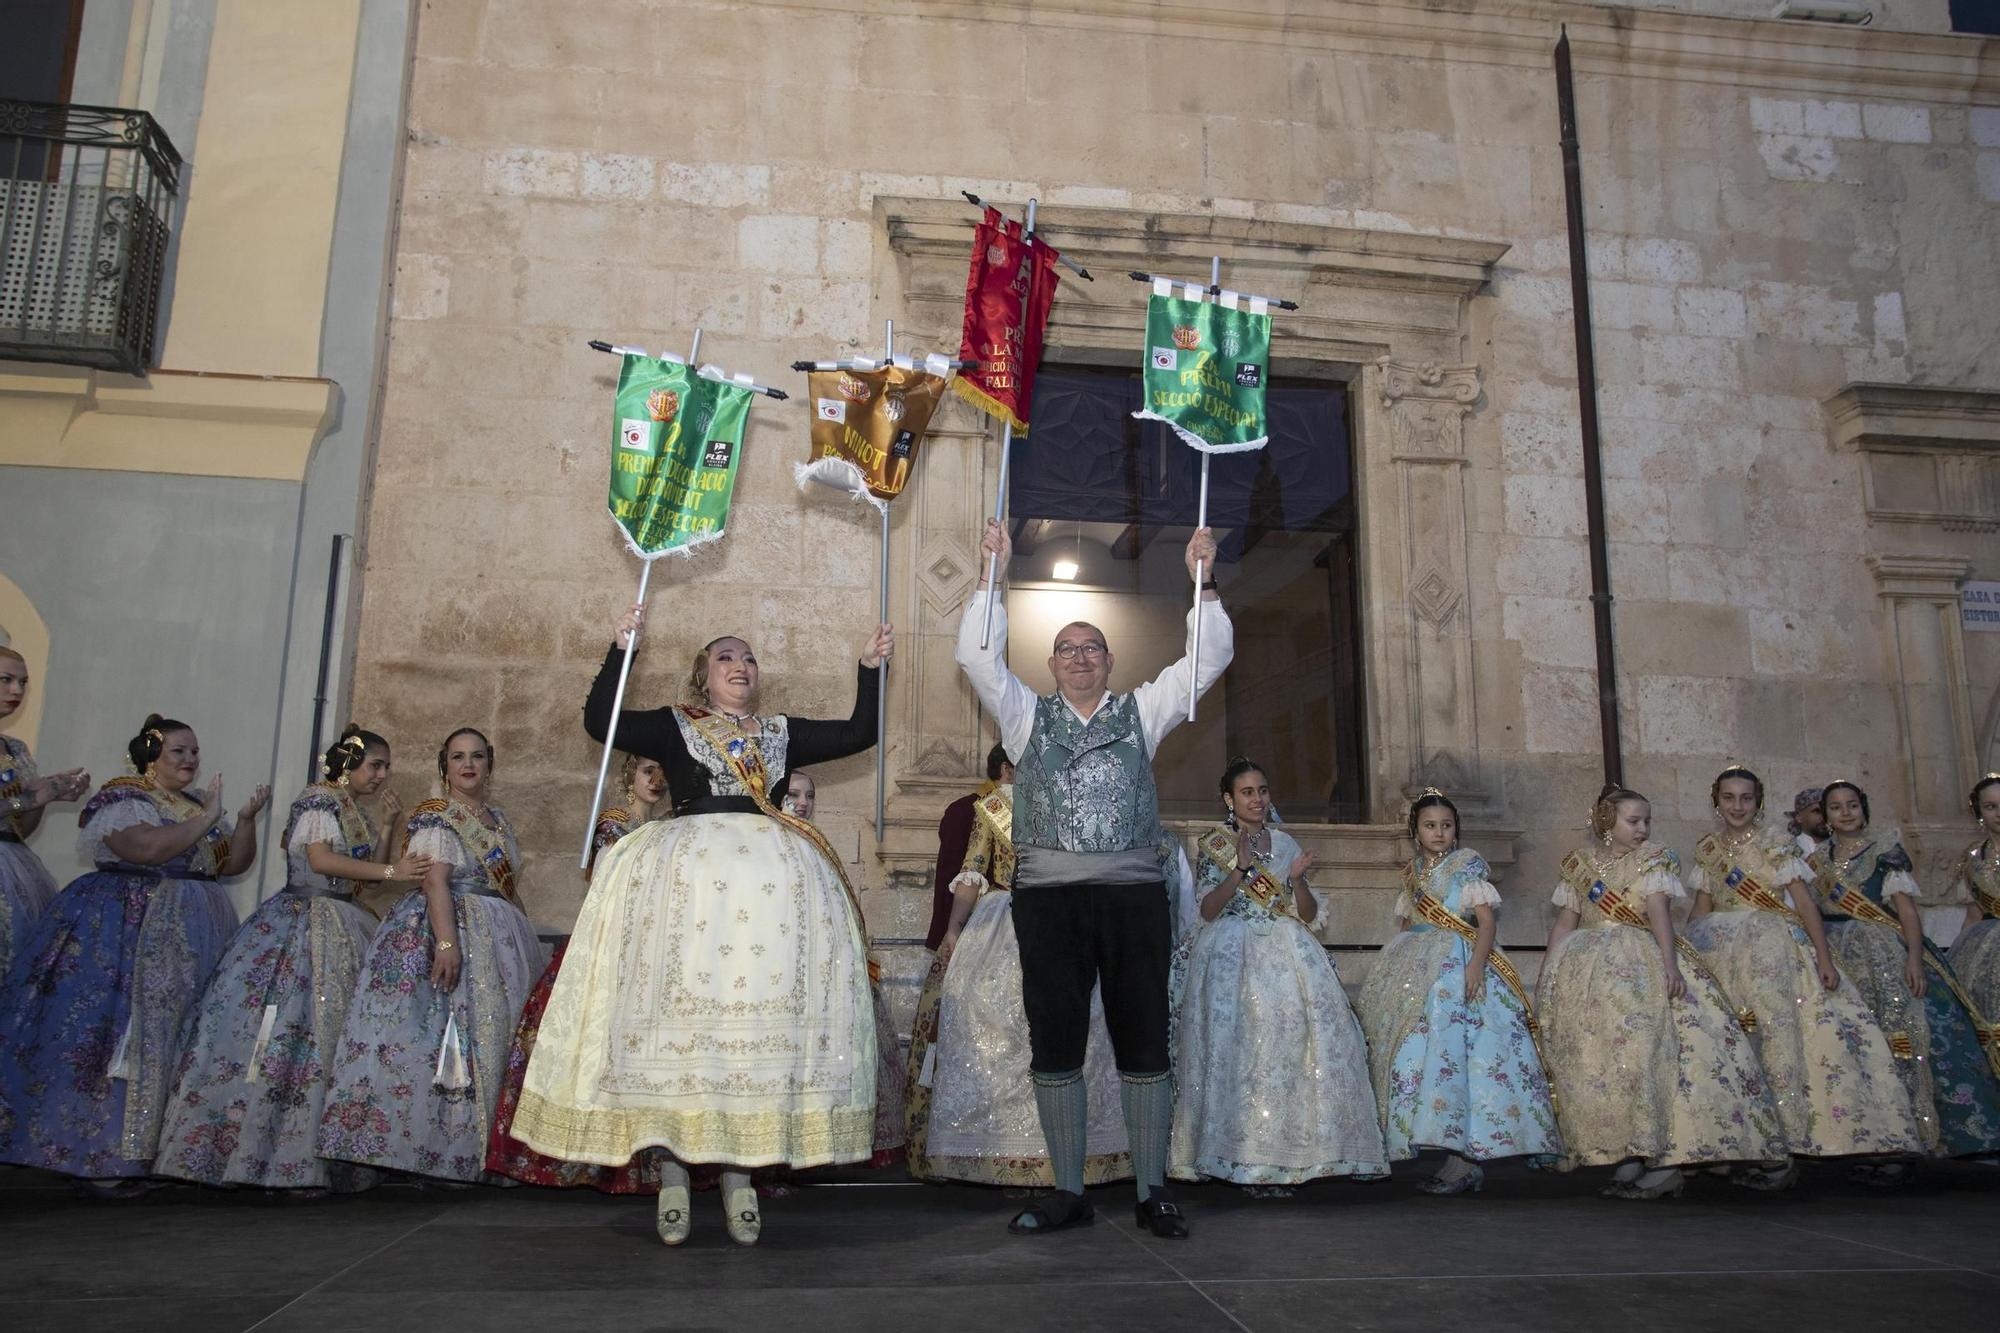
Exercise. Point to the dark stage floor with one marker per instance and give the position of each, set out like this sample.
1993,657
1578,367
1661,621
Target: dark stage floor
1533,1252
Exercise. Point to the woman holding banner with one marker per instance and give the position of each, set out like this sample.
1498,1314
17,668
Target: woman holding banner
714,1000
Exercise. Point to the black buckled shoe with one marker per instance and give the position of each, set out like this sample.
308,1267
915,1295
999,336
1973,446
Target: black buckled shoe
1057,1212
1162,1216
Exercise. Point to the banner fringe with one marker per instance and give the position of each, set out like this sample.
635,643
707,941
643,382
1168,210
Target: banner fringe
684,549
841,475
1200,445
986,403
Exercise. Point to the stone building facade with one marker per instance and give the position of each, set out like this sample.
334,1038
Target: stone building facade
1793,239
1794,248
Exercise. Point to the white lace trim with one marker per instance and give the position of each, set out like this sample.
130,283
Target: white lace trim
130,813
318,826
1478,893
1900,881
440,844
1659,880
1565,897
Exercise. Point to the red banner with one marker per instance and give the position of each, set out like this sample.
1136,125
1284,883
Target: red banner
1008,290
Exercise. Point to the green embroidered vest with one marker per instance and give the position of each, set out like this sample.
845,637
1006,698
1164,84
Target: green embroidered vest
1085,807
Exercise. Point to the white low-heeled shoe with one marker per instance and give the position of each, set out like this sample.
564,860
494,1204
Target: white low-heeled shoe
675,1216
746,1220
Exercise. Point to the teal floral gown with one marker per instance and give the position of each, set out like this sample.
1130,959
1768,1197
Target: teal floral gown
1975,954
1451,1073
1935,1039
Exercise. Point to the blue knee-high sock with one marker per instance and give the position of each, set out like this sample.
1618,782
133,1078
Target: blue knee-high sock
1063,1104
1148,1101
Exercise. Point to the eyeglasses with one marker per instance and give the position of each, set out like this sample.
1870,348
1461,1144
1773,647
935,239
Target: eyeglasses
1088,648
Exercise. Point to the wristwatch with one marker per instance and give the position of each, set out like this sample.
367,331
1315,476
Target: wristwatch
1207,585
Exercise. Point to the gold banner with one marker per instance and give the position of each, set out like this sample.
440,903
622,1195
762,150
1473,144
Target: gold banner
867,424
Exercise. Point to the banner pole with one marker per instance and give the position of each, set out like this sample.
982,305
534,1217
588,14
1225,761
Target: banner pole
1201,521
618,698
611,732
999,516
882,617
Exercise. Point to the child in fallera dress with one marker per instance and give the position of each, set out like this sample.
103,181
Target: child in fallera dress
1451,1036
1649,1061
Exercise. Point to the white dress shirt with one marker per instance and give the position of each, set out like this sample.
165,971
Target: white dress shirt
1162,701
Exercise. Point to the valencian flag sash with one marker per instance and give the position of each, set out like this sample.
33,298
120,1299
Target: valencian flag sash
1206,367
1008,291
867,425
677,436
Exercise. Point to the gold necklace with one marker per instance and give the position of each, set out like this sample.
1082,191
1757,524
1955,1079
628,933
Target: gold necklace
1842,864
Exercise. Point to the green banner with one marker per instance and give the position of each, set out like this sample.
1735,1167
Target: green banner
1206,366
676,440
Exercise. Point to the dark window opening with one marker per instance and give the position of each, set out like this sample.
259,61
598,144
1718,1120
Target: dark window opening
1102,506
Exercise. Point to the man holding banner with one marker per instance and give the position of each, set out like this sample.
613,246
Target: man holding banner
1090,902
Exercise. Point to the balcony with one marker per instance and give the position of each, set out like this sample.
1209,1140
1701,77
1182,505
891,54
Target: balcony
86,211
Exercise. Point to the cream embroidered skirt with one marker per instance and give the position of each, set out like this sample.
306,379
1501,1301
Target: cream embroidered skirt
714,1002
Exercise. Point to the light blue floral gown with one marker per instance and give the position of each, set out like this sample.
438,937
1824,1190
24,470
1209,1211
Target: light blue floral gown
1270,1071
1450,1073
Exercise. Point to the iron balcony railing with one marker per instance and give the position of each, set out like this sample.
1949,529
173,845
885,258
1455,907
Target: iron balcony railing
86,209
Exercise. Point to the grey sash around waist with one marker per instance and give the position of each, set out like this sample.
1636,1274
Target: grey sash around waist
296,891
1051,865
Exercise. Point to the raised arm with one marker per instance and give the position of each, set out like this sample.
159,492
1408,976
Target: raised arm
1162,701
816,741
640,731
1004,694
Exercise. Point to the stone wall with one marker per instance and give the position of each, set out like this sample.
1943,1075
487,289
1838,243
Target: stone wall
1776,211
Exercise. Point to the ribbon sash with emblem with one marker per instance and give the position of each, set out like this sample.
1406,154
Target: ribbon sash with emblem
1861,907
1618,907
487,846
1437,914
1262,886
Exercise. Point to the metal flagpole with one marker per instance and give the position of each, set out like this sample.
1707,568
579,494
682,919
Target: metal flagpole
624,674
882,617
1006,457
1201,521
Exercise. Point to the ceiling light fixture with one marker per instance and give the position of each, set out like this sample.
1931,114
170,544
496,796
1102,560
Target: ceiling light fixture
1066,570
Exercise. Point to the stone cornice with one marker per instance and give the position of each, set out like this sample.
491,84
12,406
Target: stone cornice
1821,58
1914,418
1112,241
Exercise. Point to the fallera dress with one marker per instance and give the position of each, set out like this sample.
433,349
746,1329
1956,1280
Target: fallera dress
715,998
1270,1066
93,1006
1831,1075
1451,1073
26,890
972,1113
253,1079
1975,954
1935,1038
1635,1073
417,1071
